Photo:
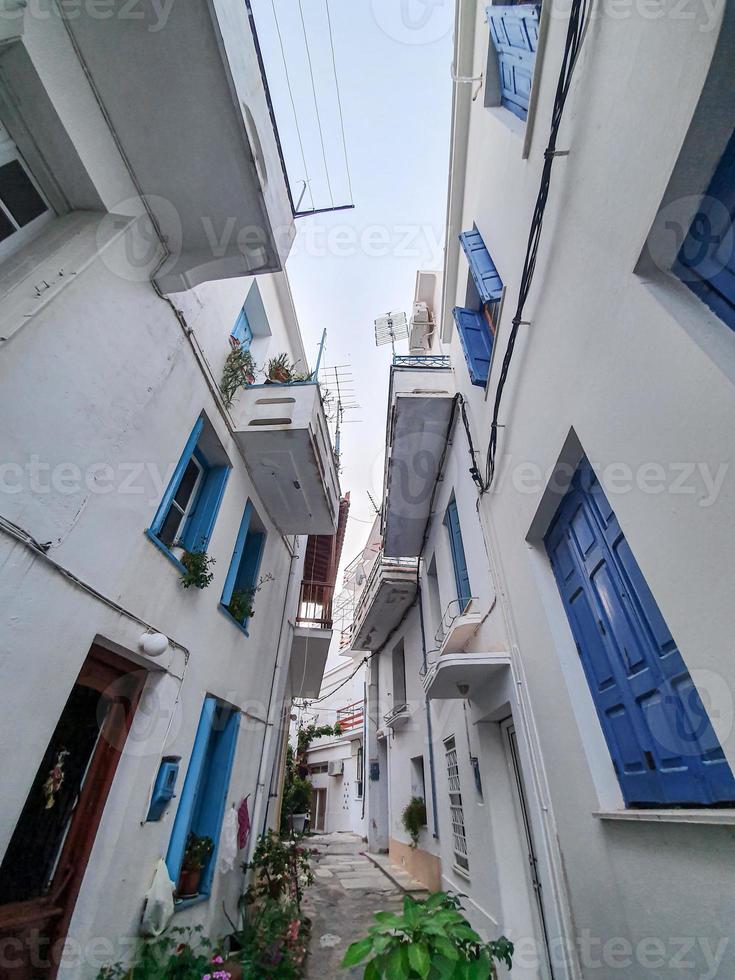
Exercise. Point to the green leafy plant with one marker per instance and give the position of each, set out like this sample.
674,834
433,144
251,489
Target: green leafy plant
281,869
274,941
197,565
414,818
241,602
197,851
238,372
280,369
432,940
180,954
298,797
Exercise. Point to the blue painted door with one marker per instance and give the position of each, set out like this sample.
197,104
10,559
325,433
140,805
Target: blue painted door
461,576
662,744
514,33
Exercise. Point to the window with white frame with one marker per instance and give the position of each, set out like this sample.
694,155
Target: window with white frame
23,208
456,811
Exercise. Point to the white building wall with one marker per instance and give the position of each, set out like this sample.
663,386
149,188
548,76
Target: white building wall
633,370
345,805
101,389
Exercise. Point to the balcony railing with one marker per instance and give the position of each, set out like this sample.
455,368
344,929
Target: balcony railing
455,609
351,716
381,565
422,361
315,605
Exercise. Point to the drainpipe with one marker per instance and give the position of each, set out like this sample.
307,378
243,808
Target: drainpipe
432,772
261,801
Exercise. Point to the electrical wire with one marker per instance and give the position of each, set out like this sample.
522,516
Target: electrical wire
316,105
339,101
575,36
293,103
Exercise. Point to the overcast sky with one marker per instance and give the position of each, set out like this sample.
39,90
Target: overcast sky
393,61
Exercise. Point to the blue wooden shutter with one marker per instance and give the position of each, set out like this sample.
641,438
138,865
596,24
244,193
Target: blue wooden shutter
247,576
237,554
461,576
660,738
200,522
242,330
487,281
706,260
514,33
207,821
477,343
173,486
190,792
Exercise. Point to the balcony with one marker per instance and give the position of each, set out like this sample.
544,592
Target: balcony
283,435
207,157
398,716
388,593
312,637
420,409
459,624
351,719
462,675
451,672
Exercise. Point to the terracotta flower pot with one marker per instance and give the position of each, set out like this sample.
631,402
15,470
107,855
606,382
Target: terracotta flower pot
189,880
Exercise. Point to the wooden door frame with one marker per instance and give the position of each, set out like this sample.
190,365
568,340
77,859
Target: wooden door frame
100,671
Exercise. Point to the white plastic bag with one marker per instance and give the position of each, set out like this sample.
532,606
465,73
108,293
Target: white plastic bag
228,841
159,903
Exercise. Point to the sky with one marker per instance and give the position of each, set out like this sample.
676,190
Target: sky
393,62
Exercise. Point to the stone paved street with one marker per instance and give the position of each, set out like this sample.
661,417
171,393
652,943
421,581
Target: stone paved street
347,890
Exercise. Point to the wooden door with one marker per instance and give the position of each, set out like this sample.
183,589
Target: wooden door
44,864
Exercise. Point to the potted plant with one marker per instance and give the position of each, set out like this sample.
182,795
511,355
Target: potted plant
414,818
299,803
197,853
240,605
197,573
280,370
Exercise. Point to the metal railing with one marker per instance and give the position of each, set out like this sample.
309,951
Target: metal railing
455,609
351,716
381,564
399,711
421,360
315,605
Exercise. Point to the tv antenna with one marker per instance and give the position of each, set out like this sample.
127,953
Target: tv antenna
389,328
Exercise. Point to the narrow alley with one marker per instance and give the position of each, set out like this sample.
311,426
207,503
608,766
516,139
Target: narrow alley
348,889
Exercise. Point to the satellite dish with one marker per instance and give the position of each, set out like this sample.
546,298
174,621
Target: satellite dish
390,328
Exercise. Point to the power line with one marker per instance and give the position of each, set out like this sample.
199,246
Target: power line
575,36
316,105
339,101
293,104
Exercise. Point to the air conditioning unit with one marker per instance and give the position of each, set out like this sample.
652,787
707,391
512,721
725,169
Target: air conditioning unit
336,767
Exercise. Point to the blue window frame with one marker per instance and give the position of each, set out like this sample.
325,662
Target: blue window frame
706,260
242,331
476,327
242,576
662,744
203,798
188,510
459,562
514,35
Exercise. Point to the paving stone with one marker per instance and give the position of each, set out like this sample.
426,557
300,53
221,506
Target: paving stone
323,873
